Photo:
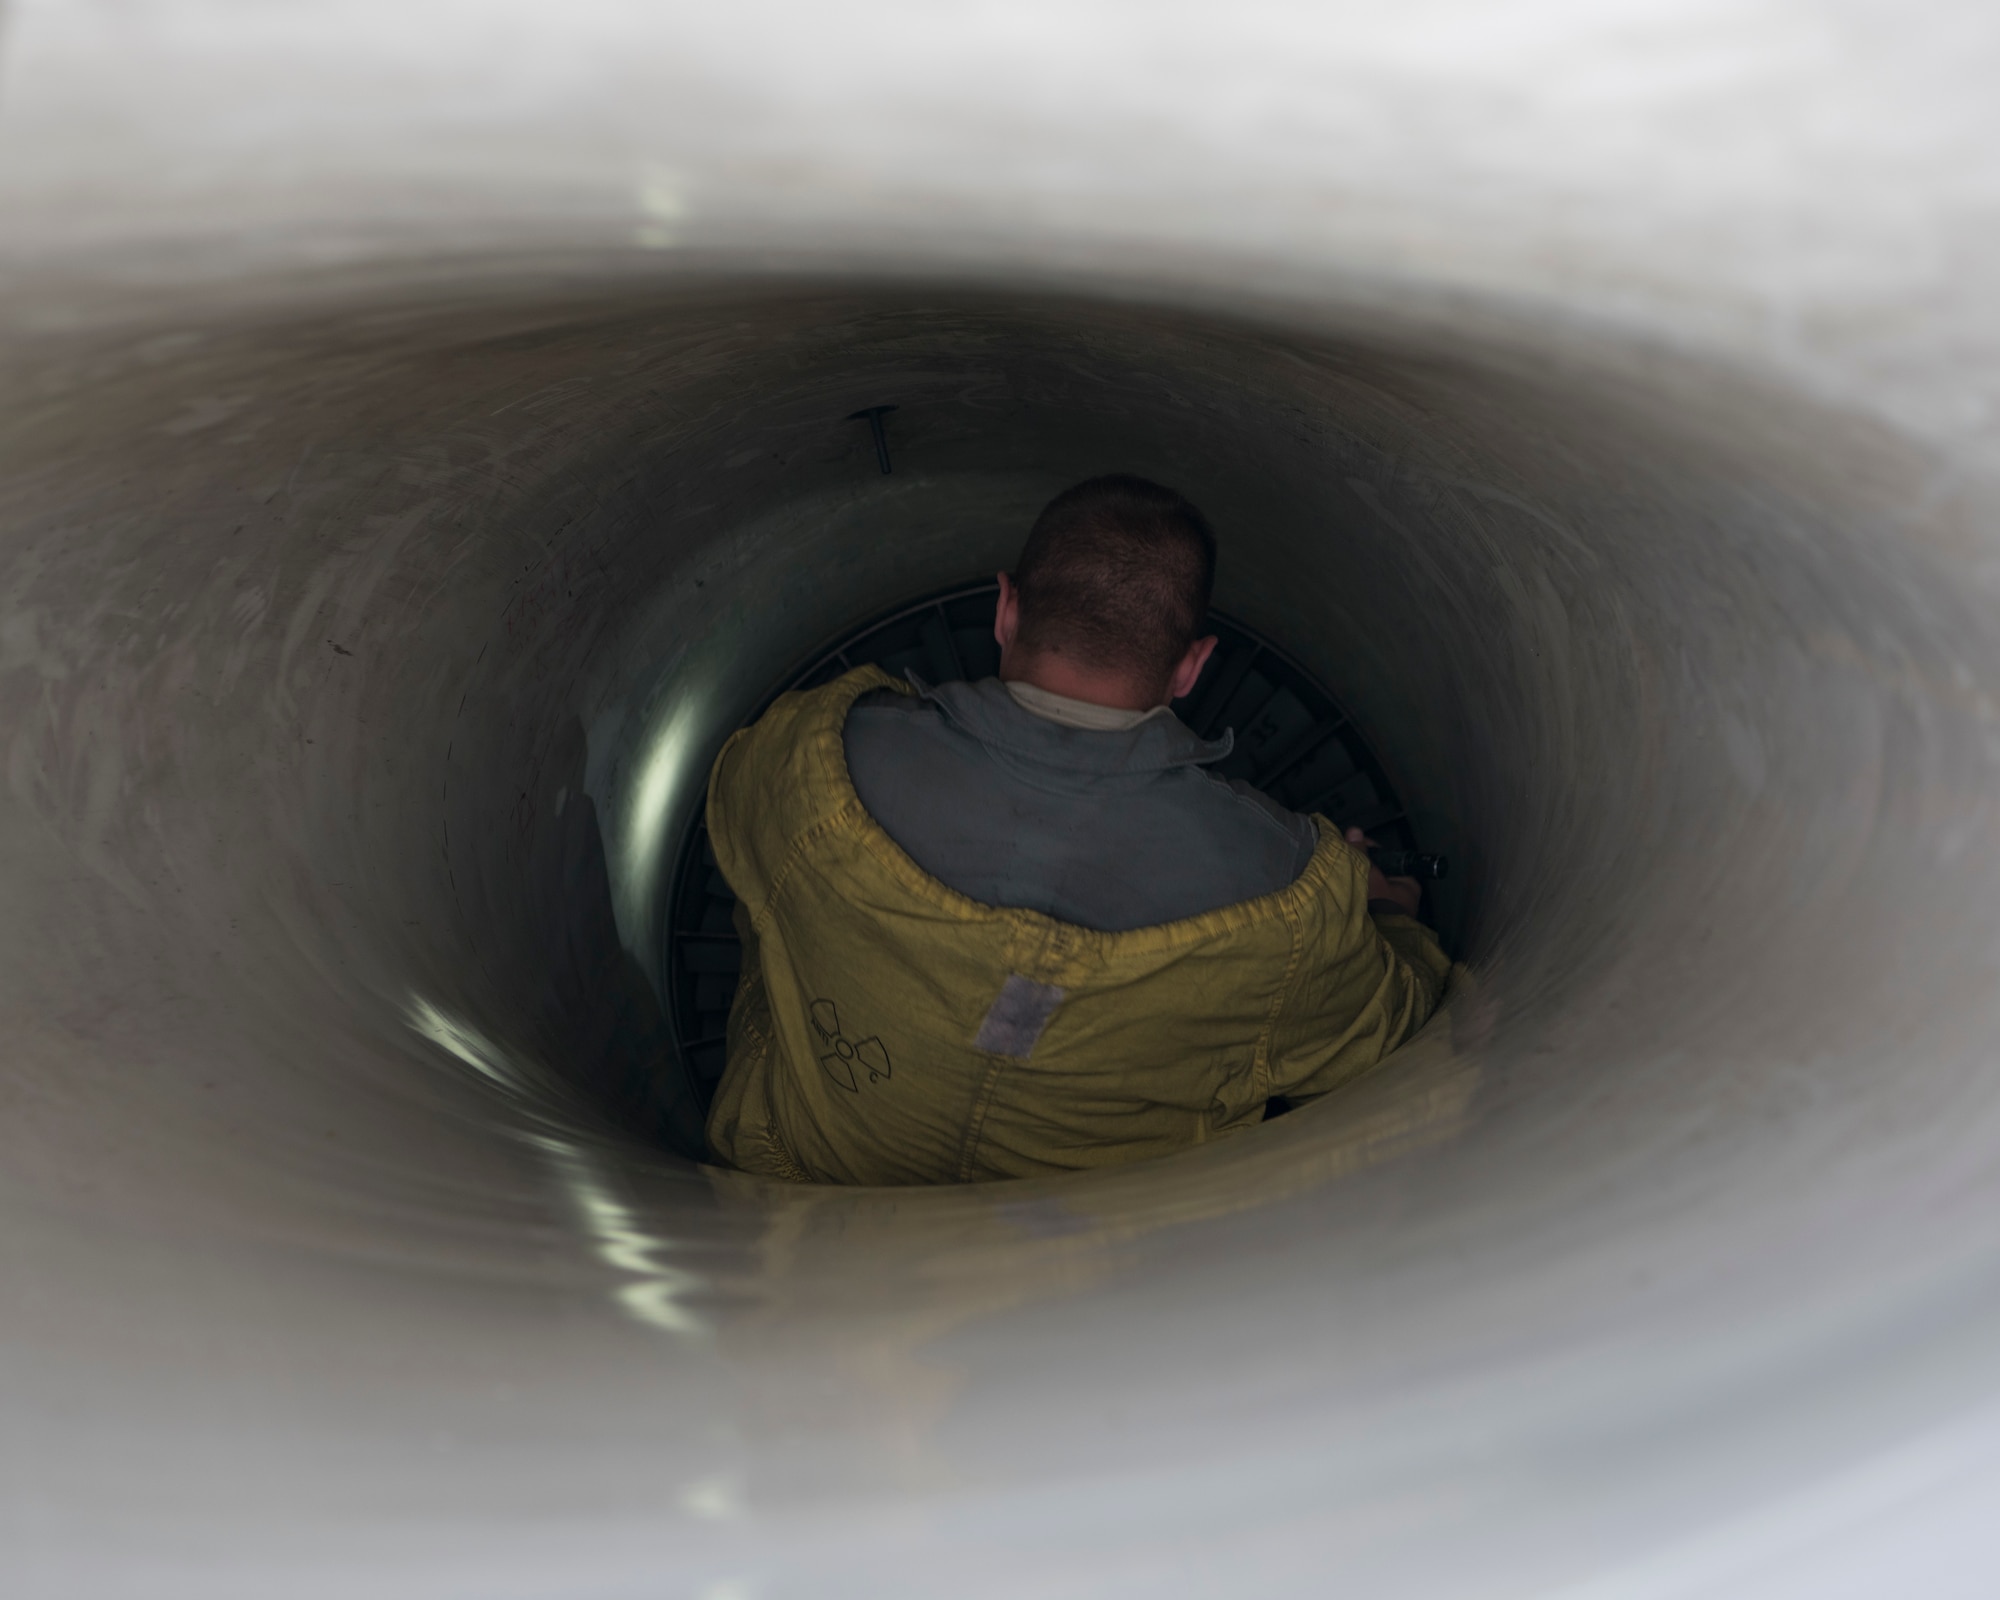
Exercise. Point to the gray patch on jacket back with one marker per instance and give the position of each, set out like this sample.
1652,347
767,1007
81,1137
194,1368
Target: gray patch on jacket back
1018,1016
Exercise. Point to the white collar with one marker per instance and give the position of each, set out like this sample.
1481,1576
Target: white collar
1078,713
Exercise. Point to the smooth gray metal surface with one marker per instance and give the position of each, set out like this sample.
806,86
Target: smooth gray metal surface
424,430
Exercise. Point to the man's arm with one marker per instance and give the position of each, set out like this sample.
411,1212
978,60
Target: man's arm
1372,982
1395,905
1404,895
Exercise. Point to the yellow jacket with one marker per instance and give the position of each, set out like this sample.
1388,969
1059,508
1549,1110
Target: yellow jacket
888,1030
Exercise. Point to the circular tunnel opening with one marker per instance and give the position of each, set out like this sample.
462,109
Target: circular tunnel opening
782,530
367,647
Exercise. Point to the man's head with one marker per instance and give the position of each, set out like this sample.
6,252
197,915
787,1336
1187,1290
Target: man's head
1109,596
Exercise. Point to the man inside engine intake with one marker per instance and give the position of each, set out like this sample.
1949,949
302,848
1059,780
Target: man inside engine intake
1013,926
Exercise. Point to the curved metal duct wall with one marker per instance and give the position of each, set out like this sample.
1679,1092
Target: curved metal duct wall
424,435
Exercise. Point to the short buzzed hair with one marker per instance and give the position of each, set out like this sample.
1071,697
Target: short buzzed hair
1116,574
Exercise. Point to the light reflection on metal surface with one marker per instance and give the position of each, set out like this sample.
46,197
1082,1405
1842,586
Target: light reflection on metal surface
662,777
656,1296
470,1046
716,1499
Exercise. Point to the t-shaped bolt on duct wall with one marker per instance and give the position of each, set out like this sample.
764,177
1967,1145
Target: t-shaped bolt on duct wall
393,525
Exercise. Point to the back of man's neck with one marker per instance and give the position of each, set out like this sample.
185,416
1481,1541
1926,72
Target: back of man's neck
1057,675
1071,713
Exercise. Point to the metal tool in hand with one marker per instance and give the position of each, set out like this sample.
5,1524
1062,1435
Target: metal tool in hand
1410,864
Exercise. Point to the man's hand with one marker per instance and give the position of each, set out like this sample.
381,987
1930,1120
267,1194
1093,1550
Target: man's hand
1405,893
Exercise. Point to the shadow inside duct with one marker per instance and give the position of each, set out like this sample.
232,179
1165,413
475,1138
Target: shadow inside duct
597,1019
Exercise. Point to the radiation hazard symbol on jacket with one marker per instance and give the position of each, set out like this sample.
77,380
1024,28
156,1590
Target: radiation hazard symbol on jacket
845,1060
